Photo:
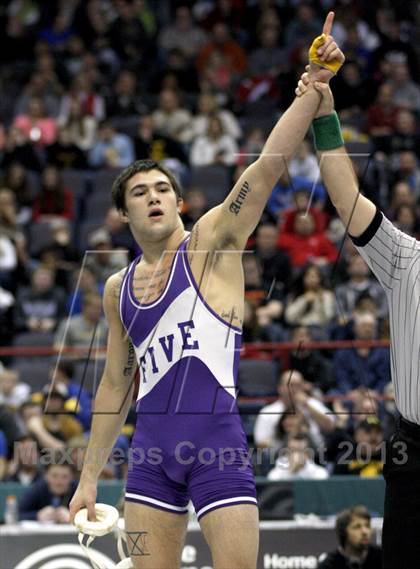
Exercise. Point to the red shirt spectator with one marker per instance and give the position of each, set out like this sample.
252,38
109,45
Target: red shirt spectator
305,244
54,200
382,115
224,44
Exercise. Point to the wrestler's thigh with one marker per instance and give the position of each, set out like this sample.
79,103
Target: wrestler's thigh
232,534
160,536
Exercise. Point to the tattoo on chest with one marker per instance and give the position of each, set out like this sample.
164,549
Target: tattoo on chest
150,285
237,203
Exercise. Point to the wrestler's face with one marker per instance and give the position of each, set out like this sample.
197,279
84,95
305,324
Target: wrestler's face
152,206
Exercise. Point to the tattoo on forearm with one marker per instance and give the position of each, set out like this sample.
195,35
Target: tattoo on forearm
236,205
129,368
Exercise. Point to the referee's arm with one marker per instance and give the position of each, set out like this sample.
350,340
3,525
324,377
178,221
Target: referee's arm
355,210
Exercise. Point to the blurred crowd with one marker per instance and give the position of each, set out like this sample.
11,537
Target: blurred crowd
87,87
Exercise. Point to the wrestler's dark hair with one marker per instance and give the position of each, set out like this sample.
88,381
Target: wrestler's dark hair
345,518
120,184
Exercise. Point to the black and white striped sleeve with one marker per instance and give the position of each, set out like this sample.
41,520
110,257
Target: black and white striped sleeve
387,250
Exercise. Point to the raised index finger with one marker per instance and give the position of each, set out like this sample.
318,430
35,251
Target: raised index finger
328,24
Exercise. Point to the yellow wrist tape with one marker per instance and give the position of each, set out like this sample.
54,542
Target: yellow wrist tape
333,65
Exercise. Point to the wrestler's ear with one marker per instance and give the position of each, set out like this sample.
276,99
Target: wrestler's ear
123,215
180,205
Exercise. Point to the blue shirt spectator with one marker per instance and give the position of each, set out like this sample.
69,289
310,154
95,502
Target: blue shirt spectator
113,150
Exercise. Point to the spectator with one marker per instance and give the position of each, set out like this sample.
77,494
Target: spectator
304,164
78,400
366,457
302,27
215,147
292,394
128,35
222,43
46,418
257,328
295,462
195,206
367,367
404,137
360,283
36,125
302,198
251,147
354,534
401,195
305,244
406,93
125,100
266,301
275,264
3,456
150,144
60,256
102,260
12,427
311,303
285,191
112,150
313,366
54,200
80,101
268,58
183,34
382,115
13,392
59,419
81,125
12,242
405,219
17,180
119,233
48,499
41,306
58,32
64,153
352,94
19,150
207,107
83,329
84,283
291,423
408,171
171,119
25,468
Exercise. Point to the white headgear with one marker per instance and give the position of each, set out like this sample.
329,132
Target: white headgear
107,521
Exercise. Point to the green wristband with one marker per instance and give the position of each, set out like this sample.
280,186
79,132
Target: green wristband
327,132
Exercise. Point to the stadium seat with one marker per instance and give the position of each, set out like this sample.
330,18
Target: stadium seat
97,205
86,228
33,370
102,181
214,181
40,236
257,377
34,339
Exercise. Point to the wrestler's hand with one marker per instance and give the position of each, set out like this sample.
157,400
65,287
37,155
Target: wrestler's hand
84,497
326,105
325,51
